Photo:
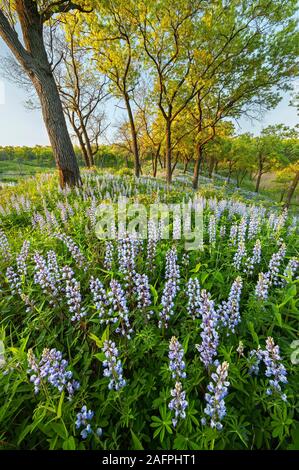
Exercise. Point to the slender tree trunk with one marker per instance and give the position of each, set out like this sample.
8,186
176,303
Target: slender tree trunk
83,149
168,153
88,146
211,167
258,181
186,164
230,167
134,136
199,155
35,62
155,161
291,190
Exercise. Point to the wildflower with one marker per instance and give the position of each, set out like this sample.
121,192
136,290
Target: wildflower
172,271
262,287
239,255
74,299
212,229
193,293
178,402
22,258
176,363
240,348
275,370
118,307
108,260
215,408
99,297
14,281
254,259
51,368
290,270
229,311
142,289
4,246
73,248
222,231
82,419
233,235
242,228
209,334
274,265
112,366
48,275
167,301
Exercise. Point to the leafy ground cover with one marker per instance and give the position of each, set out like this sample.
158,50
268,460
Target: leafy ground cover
127,345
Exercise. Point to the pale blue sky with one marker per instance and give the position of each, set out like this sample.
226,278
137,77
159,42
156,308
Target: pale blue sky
19,126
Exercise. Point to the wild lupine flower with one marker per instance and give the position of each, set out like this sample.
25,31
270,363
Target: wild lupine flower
74,299
215,408
38,220
153,236
47,275
82,419
167,302
229,310
4,246
233,235
209,334
112,366
185,260
22,258
176,231
240,348
51,219
143,293
290,270
239,255
172,271
222,231
176,362
99,297
118,303
275,370
212,229
193,293
274,265
73,248
52,369
242,228
126,251
178,402
254,259
254,224
262,287
14,281
108,260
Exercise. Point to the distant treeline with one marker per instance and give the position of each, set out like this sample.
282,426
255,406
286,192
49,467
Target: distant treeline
106,156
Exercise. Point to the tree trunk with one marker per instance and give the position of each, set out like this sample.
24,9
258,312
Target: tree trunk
155,161
187,161
168,153
88,146
211,167
35,62
291,191
134,136
83,149
199,154
258,181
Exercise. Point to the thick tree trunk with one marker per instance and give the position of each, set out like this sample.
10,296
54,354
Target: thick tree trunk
258,181
134,136
291,191
168,153
33,58
199,154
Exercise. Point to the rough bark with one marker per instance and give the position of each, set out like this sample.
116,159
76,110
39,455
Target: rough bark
258,181
33,58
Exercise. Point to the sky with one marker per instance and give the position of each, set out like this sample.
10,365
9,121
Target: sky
20,126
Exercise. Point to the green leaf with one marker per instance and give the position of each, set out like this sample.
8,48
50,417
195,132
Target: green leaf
59,407
69,444
136,442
